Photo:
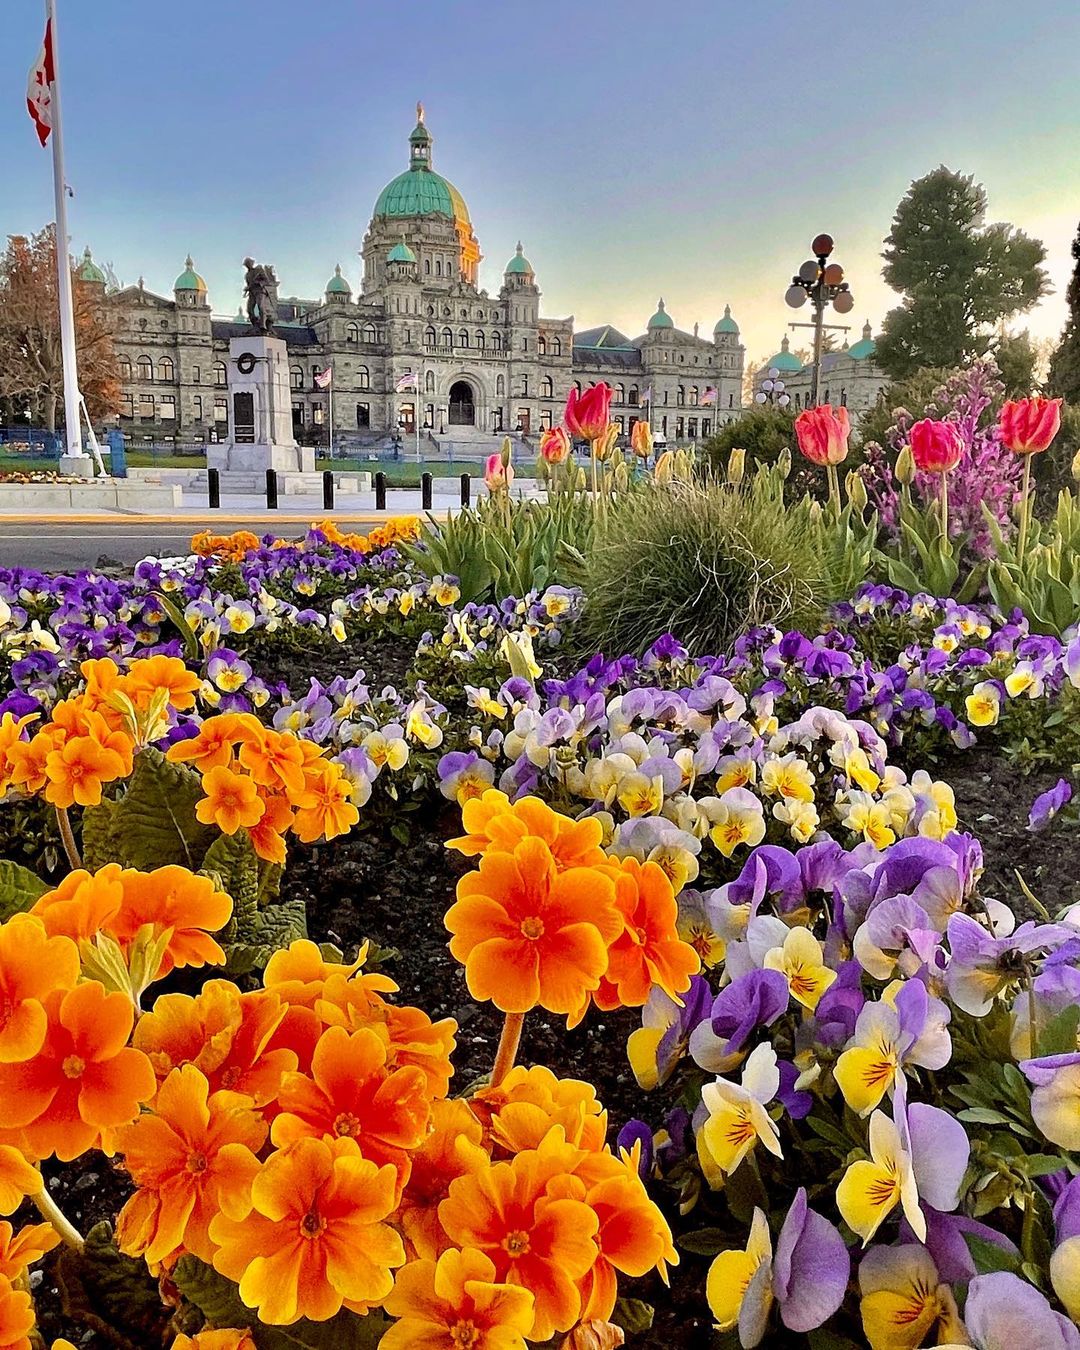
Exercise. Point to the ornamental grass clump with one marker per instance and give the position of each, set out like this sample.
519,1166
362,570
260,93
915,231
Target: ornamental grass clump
705,562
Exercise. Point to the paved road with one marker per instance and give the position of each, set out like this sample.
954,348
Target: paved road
62,546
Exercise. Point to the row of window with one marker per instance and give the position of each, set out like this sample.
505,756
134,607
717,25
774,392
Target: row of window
162,407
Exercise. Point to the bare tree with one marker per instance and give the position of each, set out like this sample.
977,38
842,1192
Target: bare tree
31,365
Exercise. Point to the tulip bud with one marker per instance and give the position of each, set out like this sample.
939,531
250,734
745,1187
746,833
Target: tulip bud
605,442
816,513
579,478
905,467
783,462
736,465
507,451
641,439
1076,466
665,467
622,477
856,490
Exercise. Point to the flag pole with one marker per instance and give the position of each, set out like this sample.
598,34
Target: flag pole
330,433
416,414
72,425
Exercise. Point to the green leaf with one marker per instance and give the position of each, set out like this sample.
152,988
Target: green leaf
187,633
274,927
823,1339
982,1115
704,1241
112,1295
632,1315
1042,1164
217,1298
346,1331
99,842
19,889
1058,1036
154,822
988,1256
231,861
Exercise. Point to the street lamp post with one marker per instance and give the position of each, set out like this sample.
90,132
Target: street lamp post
773,390
822,283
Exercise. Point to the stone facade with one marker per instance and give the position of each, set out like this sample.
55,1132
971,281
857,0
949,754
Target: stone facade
484,364
850,377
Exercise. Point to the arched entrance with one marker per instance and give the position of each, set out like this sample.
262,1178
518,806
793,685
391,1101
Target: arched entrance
462,408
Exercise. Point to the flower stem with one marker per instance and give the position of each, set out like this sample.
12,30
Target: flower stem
68,838
834,488
509,1042
592,455
944,510
59,1220
1025,509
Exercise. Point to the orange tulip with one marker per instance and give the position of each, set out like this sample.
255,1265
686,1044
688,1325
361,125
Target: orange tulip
325,805
16,1317
78,771
85,1077
586,415
17,1179
528,934
452,1149
641,439
554,445
649,950
225,1034
350,1094
192,1158
544,1243
528,1102
32,965
19,1251
493,822
232,801
456,1302
1028,425
315,1238
822,434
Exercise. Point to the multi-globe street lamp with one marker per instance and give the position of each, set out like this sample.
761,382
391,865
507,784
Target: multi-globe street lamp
822,283
773,390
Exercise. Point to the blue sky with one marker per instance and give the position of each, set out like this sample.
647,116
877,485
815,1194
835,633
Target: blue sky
637,149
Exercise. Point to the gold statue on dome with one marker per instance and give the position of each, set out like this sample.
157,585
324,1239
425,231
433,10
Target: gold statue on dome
420,113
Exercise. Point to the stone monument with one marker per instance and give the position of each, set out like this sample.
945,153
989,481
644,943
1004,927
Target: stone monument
260,393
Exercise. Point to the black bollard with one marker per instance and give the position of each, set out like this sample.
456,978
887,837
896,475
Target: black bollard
271,489
380,492
466,485
328,491
213,488
425,492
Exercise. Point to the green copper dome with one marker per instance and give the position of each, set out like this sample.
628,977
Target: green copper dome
784,360
89,270
189,279
661,319
401,253
727,324
420,191
337,285
519,264
865,347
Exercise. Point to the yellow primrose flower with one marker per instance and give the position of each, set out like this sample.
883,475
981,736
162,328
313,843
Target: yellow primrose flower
983,705
867,1069
731,1272
904,1303
941,819
737,1118
869,818
871,1188
640,795
788,777
742,821
801,961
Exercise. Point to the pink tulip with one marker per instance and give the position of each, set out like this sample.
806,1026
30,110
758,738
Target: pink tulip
586,414
554,445
1028,425
936,447
823,434
497,475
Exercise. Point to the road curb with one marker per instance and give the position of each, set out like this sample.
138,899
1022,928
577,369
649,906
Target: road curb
225,518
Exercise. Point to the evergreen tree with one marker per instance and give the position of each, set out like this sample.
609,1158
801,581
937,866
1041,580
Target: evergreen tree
958,276
1064,376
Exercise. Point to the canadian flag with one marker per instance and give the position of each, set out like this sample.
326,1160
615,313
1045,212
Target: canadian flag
39,87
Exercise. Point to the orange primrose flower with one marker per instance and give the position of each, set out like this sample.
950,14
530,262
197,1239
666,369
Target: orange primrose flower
529,934
225,1339
232,800
315,1238
528,1102
493,822
152,673
325,806
19,1251
212,748
16,1317
191,1158
266,834
452,1149
276,762
455,1302
27,759
84,1079
17,1179
298,973
649,950
32,965
78,771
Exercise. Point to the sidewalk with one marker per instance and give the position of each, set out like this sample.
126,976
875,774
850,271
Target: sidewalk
251,508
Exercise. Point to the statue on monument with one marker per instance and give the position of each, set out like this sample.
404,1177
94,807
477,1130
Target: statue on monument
260,287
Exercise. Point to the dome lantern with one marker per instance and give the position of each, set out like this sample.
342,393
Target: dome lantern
726,325
661,319
785,361
337,286
865,347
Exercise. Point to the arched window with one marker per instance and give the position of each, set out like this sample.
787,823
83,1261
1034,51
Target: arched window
680,397
479,339
620,393
429,382
547,388
463,338
577,385
146,368
369,332
496,342
843,397
438,268
296,377
524,386
556,346
219,374
363,378
124,365
541,345
500,385
352,333
480,315
447,338
427,267
429,336
693,396
166,369
633,399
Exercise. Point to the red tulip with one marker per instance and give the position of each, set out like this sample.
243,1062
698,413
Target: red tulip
1028,425
586,414
554,445
823,434
936,447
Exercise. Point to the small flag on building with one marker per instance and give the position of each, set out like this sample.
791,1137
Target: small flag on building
323,378
39,88
709,396
407,381
647,395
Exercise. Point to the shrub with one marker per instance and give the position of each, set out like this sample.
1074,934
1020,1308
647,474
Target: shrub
705,562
